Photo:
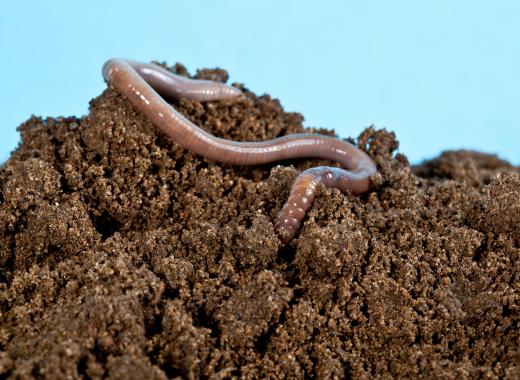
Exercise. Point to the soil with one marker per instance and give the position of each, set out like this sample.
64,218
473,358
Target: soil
124,256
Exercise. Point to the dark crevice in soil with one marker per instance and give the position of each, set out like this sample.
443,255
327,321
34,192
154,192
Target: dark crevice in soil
106,225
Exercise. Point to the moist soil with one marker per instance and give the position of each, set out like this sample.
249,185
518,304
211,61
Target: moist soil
125,256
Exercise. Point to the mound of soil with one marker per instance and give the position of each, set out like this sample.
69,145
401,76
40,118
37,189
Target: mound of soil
124,256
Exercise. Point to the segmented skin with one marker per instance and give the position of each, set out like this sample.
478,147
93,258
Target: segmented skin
145,85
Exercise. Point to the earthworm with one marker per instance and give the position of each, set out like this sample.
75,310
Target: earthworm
144,83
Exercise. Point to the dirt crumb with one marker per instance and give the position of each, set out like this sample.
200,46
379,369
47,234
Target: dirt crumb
124,256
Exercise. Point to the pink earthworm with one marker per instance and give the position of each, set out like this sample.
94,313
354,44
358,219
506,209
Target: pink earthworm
144,83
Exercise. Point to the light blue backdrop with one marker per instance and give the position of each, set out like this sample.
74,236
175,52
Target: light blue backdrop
442,74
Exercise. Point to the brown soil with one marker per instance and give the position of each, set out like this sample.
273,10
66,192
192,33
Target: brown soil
125,256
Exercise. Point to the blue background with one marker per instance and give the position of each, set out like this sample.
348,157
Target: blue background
442,74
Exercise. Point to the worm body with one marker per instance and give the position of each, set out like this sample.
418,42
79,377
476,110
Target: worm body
144,83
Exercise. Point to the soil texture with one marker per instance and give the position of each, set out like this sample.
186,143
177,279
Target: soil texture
123,256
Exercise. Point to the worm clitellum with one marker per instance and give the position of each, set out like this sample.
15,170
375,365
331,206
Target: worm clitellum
142,83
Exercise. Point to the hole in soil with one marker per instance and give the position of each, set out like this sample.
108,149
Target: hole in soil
106,225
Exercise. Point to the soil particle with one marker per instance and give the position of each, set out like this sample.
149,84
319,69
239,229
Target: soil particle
124,256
